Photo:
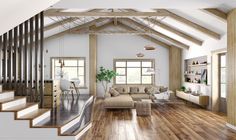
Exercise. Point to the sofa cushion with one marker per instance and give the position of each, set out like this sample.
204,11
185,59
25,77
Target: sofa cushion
139,96
122,101
134,90
107,95
113,92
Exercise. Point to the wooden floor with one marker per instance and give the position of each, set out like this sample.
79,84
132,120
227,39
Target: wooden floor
168,122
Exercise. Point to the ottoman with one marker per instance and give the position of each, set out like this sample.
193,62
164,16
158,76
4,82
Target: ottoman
143,108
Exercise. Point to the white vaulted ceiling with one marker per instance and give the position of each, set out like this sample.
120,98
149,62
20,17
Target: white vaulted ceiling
14,12
146,4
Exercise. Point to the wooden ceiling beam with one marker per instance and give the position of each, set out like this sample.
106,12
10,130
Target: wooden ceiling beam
59,23
147,37
148,29
175,31
107,14
64,21
171,29
217,13
75,29
192,24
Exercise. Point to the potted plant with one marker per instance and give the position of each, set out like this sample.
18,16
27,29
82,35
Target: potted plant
183,88
105,76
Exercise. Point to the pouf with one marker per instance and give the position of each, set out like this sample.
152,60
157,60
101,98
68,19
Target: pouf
143,108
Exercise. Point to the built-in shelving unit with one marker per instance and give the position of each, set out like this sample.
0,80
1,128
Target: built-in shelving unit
196,70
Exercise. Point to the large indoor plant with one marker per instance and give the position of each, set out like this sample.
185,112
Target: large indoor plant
105,76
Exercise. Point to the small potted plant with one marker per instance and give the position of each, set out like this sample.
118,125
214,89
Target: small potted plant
183,88
105,76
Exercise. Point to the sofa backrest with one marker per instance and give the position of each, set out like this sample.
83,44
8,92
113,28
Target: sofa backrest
125,89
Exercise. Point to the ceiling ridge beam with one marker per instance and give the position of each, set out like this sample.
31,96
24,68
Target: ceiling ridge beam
192,24
216,13
107,14
148,29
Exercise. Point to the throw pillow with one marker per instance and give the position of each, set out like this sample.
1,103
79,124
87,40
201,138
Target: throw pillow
134,90
113,92
148,90
163,89
119,89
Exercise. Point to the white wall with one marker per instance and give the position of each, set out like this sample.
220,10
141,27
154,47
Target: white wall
73,45
206,49
109,47
127,46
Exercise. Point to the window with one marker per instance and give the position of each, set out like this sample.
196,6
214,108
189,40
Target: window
223,75
74,67
134,71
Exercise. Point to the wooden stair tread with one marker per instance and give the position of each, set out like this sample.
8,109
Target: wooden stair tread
11,99
5,91
34,114
19,107
74,130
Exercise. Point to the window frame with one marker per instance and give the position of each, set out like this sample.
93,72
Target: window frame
69,58
141,68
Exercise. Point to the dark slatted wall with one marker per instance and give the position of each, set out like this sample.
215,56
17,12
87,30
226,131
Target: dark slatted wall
22,62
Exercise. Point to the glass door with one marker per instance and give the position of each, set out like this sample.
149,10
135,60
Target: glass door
222,83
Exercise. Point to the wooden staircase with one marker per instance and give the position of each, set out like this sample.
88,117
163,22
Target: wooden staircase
71,129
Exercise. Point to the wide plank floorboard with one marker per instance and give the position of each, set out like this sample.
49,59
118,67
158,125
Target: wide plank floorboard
167,122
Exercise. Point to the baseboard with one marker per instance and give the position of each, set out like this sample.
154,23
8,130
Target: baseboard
231,126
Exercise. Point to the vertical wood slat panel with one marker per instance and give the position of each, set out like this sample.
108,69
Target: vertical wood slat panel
175,59
41,58
31,58
18,64
21,59
15,60
92,63
10,43
26,57
5,60
36,55
231,68
1,56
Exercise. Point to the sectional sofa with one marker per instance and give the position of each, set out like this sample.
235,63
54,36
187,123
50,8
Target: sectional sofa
129,94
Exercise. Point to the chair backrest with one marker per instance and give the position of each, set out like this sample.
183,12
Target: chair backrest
65,84
76,81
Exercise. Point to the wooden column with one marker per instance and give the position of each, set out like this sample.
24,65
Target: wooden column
21,59
175,64
10,59
15,60
31,32
231,69
92,63
5,60
41,89
1,56
26,26
36,56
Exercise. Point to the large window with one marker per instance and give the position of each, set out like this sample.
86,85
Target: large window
73,67
223,75
134,71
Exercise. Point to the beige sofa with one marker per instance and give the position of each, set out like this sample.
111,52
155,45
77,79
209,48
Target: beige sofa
128,95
